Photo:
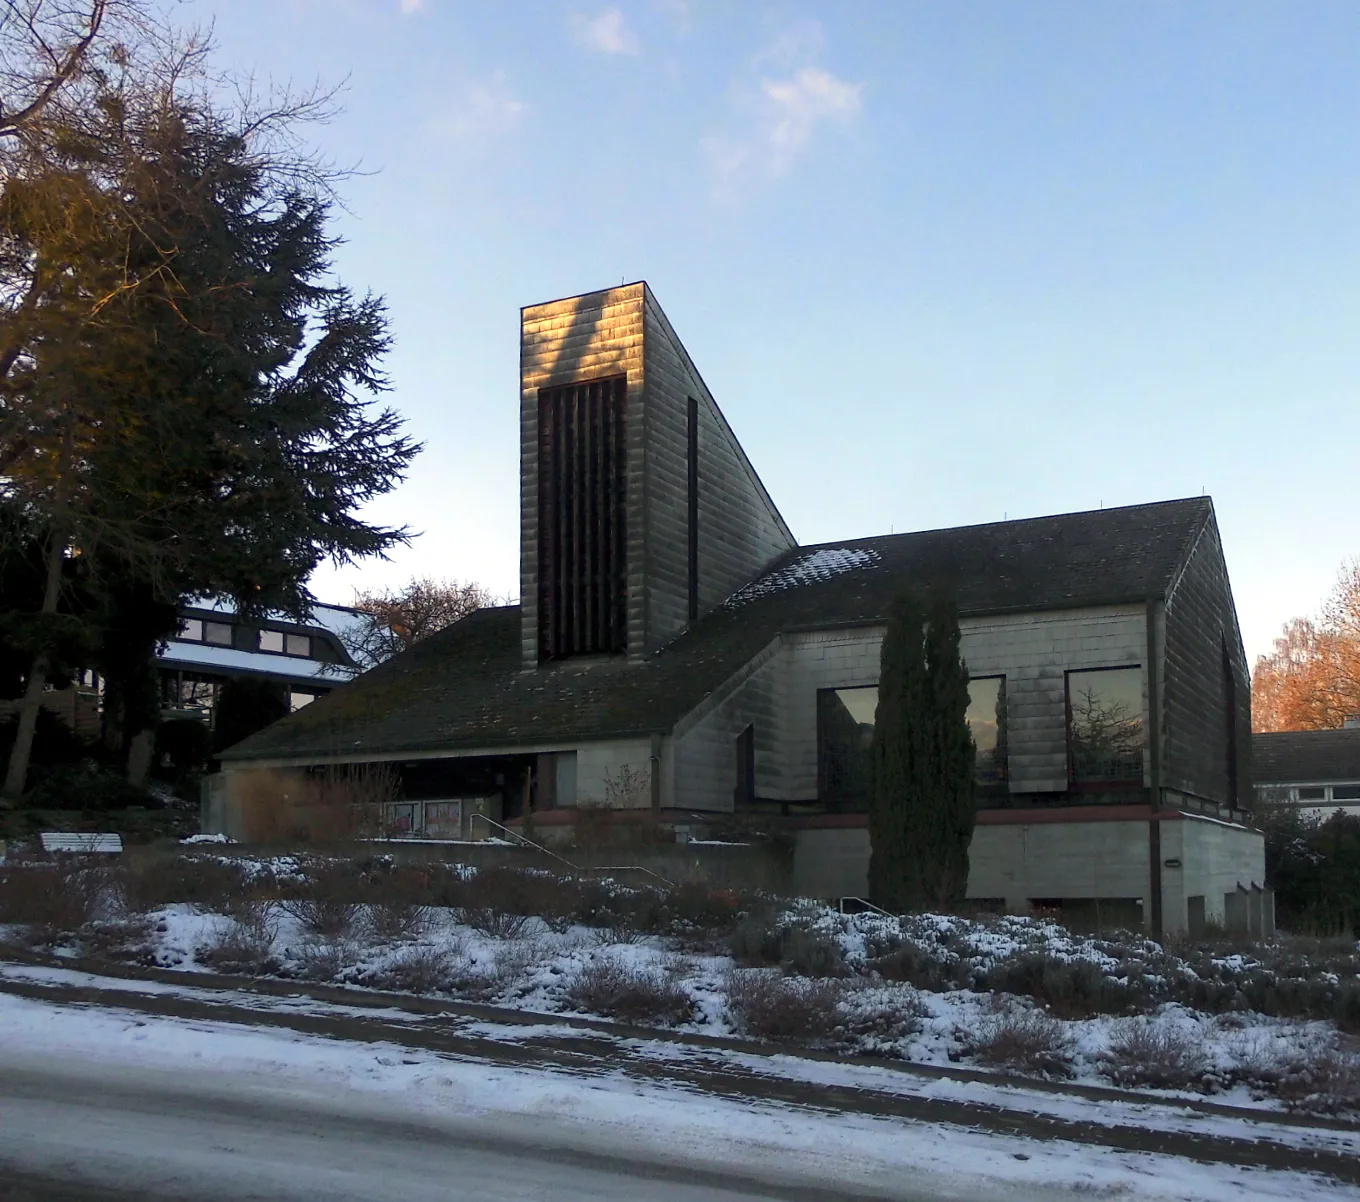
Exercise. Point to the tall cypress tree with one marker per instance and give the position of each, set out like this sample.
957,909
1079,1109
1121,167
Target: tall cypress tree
898,759
921,793
952,800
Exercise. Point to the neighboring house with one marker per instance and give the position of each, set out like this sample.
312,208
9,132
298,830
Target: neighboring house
1317,770
677,651
214,644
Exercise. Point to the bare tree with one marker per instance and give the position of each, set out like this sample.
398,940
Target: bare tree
398,619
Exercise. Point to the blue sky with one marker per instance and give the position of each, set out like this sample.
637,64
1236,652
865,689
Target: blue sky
940,263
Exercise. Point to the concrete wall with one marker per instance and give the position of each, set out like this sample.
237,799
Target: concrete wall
1215,859
740,529
1033,652
602,769
831,863
1016,863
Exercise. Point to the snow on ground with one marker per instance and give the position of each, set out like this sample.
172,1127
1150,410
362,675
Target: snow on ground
1012,1095
611,1113
535,968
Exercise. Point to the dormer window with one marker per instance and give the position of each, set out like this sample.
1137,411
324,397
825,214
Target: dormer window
282,642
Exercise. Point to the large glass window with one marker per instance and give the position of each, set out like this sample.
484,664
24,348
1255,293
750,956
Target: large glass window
217,632
845,729
987,721
1105,733
271,640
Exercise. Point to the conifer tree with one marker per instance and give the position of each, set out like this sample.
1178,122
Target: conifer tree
952,800
898,759
921,792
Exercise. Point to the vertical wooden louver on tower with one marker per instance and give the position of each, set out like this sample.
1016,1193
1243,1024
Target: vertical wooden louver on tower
582,586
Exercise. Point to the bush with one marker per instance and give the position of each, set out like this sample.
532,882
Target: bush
880,1017
422,970
53,900
1025,1041
770,1006
757,941
326,904
147,881
242,947
629,993
1070,988
87,786
497,923
1320,1080
695,907
915,965
1144,1056
811,953
392,920
324,959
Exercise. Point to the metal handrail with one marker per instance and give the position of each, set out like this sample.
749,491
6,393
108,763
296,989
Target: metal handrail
864,901
526,842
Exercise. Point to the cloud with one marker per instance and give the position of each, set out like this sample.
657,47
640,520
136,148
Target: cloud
485,107
777,119
606,33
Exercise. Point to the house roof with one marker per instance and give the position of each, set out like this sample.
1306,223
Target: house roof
464,687
1295,757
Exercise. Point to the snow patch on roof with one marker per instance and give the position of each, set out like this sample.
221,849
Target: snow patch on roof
822,564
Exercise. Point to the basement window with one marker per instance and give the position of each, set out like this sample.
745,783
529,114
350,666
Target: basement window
1105,735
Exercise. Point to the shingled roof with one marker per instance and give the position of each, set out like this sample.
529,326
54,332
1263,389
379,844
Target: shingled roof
1294,757
464,687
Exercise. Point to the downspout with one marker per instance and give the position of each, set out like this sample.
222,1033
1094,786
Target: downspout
656,775
1155,608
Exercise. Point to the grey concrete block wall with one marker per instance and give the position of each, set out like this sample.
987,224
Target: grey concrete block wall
1033,652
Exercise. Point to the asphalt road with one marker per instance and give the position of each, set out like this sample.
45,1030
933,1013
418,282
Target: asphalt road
69,1138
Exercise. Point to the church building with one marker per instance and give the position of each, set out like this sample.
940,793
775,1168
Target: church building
677,653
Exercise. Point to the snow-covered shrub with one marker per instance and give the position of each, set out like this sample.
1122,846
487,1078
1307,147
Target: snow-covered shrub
875,1019
1076,988
421,969
629,992
1144,1055
499,924
325,902
324,959
393,919
1026,1041
757,940
772,1006
1320,1080
911,963
242,947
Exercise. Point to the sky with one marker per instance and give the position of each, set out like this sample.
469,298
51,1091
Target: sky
939,263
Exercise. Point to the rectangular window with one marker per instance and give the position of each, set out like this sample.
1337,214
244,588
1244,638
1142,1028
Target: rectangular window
845,732
217,633
582,581
271,640
297,644
987,721
693,508
1312,793
1346,792
444,819
1105,735
191,629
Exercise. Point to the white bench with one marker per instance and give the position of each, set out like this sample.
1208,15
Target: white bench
81,844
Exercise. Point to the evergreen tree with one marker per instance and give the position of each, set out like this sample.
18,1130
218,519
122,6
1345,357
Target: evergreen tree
921,792
185,393
952,802
898,760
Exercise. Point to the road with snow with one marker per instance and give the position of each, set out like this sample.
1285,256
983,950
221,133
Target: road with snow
77,1136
